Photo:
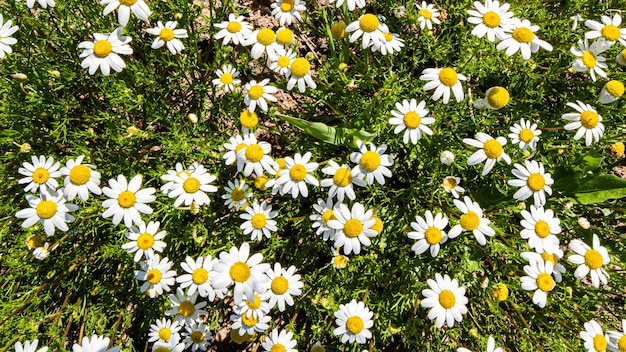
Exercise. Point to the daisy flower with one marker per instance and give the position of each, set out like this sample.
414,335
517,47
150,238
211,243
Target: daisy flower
410,117
43,3
6,30
197,336
352,4
533,180
257,307
367,26
428,233
443,80
490,19
324,213
594,337
283,284
300,73
491,150
29,346
164,330
446,157
539,279
352,227
145,239
103,51
446,300
392,43
198,276
157,275
185,308
540,228
372,164
49,209
496,98
281,61
491,343
127,200
280,341
249,324
172,346
94,344
608,31
80,179
611,92
236,194
248,120
235,30
451,184
586,120
589,58
192,188
288,11
590,260
552,254
258,94
339,260
353,322
520,36
245,272
294,178
227,78
169,36
173,175
40,175
621,58
41,253
234,146
617,340
428,15
253,156
525,133
259,221
262,41
124,8
471,220
341,183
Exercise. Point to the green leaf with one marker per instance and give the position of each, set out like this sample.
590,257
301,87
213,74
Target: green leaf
599,188
329,134
591,161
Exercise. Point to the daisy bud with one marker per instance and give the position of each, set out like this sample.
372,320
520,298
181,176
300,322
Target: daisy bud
621,58
584,223
568,205
41,253
500,292
178,15
25,148
446,157
496,98
34,241
338,30
484,283
351,86
193,118
318,347
194,208
132,131
399,11
248,119
260,182
19,76
343,67
617,149
612,91
55,73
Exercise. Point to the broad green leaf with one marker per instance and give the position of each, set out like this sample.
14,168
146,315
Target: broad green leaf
591,161
329,134
599,188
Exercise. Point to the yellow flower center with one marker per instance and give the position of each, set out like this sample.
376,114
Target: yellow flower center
278,347
370,161
327,216
623,54
162,349
448,77
197,336
260,182
300,67
186,308
256,92
145,241
426,14
287,5
318,348
542,229
237,194
500,292
433,235
617,149
469,221
254,153
249,320
589,119
340,261
447,299
599,343
491,19
239,147
412,119
35,241
127,2
342,177
498,97
610,32
492,148
256,304
523,35
536,181
126,199
280,285
621,343
589,59
353,228
354,324
80,174
369,23
297,172
388,37
46,209
545,282
449,183
283,61
154,276
549,257
593,259
165,334
266,36
233,27
248,119
526,135
199,276
41,175
615,88
258,221
378,224
284,36
338,30
191,185
102,48
226,78
166,34
239,272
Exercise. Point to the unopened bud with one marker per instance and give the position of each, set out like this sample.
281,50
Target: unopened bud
19,76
